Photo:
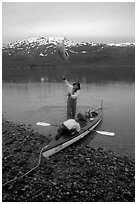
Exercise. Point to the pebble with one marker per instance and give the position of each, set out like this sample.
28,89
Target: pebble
77,174
69,185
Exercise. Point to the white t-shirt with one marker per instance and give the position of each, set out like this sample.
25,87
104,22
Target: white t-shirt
70,90
72,124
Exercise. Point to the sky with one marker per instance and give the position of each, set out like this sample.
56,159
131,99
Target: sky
99,22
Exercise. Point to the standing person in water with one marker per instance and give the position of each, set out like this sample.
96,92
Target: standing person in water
73,91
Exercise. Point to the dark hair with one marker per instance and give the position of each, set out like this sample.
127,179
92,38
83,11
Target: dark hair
78,84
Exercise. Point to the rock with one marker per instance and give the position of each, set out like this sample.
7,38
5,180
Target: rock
17,149
88,160
54,183
76,174
69,184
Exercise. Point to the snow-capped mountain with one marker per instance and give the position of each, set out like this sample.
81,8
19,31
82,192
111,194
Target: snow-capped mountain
55,40
37,43
43,49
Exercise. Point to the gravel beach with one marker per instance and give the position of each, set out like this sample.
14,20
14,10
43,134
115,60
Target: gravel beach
77,174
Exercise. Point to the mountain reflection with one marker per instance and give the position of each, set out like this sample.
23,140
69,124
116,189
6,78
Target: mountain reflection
85,74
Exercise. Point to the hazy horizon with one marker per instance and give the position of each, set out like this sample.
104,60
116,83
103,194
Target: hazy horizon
99,22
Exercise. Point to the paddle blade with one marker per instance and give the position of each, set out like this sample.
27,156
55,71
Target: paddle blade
106,133
43,124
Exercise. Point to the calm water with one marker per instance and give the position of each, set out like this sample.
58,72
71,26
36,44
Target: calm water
32,102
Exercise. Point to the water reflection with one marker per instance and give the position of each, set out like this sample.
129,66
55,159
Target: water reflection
85,74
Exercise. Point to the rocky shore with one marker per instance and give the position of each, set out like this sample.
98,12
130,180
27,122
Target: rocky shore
76,174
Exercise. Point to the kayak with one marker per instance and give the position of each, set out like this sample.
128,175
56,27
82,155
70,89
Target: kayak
67,139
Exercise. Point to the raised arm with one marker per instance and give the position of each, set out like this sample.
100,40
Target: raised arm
66,81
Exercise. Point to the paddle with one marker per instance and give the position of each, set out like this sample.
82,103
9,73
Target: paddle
105,132
46,124
98,131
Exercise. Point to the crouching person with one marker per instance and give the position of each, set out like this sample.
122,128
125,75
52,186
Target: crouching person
68,127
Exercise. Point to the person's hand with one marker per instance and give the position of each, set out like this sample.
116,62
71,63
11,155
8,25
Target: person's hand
64,78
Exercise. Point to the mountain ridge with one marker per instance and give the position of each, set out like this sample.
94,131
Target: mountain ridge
39,51
63,40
